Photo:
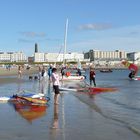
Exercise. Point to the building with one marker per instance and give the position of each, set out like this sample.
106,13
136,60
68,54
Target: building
53,57
36,48
30,59
134,57
12,57
105,57
39,57
5,57
18,57
58,57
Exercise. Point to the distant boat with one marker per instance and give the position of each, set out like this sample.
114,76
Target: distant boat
106,70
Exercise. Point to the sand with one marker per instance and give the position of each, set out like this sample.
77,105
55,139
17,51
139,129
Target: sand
14,71
11,76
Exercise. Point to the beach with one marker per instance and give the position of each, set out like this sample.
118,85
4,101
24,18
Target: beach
14,71
11,76
106,116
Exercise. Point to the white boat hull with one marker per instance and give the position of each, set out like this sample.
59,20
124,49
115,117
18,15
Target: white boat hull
65,78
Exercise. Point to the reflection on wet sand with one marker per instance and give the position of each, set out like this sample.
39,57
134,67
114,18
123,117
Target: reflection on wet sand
30,112
58,118
55,124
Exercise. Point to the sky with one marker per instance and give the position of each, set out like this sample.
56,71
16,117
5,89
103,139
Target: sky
105,25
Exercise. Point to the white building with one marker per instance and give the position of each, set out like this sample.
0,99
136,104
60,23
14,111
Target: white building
5,57
53,57
18,57
12,57
134,57
39,57
57,57
75,56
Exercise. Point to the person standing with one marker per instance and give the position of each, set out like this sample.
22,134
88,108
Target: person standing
39,73
50,72
92,77
55,81
63,71
79,72
19,71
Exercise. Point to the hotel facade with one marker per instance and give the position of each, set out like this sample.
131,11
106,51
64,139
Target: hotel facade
105,57
12,57
58,57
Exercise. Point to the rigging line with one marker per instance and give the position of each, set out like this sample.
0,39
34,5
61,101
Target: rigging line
59,52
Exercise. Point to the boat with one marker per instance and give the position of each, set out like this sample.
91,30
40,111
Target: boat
136,78
106,70
24,95
73,75
71,78
89,90
28,100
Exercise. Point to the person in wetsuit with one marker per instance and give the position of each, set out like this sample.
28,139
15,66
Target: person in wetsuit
92,77
131,74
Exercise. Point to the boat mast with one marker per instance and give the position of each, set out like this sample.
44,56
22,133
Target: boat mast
65,42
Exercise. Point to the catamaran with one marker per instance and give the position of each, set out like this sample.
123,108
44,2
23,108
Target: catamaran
68,75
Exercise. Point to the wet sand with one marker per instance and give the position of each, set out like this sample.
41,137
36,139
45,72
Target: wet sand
8,80
14,71
11,76
77,116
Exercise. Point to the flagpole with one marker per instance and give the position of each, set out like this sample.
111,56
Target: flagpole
65,42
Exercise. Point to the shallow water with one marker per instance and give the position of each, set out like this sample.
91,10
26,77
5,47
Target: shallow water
106,116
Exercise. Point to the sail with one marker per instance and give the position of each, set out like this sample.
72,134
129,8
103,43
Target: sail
130,66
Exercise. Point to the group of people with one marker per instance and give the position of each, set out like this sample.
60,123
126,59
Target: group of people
55,80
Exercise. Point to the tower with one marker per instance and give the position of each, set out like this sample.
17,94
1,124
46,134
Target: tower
36,48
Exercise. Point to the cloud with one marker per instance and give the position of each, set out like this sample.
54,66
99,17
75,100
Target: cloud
95,27
33,34
21,40
53,39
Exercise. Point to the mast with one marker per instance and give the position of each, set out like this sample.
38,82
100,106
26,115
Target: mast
65,42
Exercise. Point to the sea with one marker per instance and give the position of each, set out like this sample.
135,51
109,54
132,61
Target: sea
105,116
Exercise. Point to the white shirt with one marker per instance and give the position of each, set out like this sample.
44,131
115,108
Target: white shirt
55,79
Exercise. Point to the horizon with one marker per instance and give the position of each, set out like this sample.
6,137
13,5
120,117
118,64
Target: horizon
93,24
